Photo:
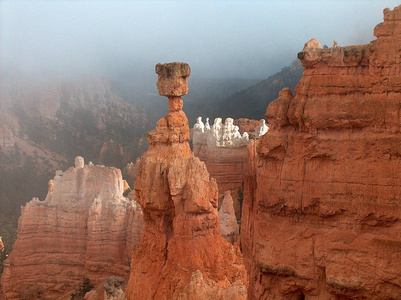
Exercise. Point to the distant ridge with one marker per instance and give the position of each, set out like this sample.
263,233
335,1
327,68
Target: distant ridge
252,102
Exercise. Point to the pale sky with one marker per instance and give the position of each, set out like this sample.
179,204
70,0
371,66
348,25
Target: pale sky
218,39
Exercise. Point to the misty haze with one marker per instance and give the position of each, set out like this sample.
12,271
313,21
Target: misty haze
110,181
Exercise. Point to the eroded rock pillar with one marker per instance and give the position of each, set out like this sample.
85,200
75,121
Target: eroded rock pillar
182,254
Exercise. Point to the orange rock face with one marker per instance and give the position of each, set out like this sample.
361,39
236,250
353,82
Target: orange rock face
228,166
182,254
246,125
322,206
130,172
79,230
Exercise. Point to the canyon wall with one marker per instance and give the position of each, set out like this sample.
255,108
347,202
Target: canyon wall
84,228
182,254
322,208
224,151
45,121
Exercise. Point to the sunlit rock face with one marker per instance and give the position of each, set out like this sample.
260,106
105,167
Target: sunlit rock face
224,151
322,205
182,254
80,229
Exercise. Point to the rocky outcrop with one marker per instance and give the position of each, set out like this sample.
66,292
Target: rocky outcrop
182,254
224,151
130,172
114,288
322,203
219,134
229,228
246,125
80,229
46,121
111,289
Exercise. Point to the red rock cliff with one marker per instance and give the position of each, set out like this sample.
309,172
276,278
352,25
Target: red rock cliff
182,254
79,230
322,208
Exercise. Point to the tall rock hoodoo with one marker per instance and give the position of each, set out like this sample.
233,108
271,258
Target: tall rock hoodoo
322,208
80,230
182,254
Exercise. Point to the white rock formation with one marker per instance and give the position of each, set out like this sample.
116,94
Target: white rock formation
219,134
207,125
261,129
199,124
79,162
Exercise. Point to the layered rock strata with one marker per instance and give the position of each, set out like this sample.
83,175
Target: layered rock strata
80,229
322,208
224,151
182,254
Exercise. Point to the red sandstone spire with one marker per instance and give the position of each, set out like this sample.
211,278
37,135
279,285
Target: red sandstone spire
182,254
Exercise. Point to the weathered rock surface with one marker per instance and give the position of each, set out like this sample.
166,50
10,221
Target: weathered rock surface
322,209
80,229
224,151
130,172
182,254
246,125
111,289
219,134
114,288
229,228
45,121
